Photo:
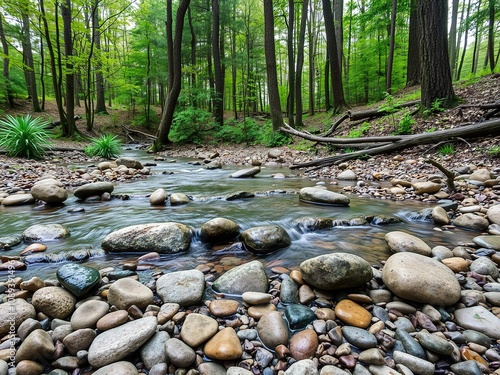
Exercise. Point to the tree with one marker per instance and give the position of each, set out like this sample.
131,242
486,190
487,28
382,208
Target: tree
291,63
435,65
413,71
175,87
70,78
219,77
100,106
272,78
300,63
5,70
491,35
390,59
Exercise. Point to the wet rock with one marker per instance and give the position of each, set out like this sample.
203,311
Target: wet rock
224,346
420,279
373,356
211,368
440,216
27,367
409,343
299,316
311,224
477,337
359,337
323,196
92,189
50,191
479,319
126,292
116,343
303,344
456,264
78,279
79,340
163,238
471,221
219,230
178,199
303,367
353,314
265,239
88,314
37,346
18,199
249,277
493,214
485,266
336,271
415,364
45,232
158,197
488,242
234,370
347,175
426,187
214,164
54,302
129,163
223,307
183,287
288,290
118,368
179,353
33,248
112,320
245,173
197,329
404,242
272,330
469,367
8,242
435,343
239,195
17,311
256,298
153,352
28,326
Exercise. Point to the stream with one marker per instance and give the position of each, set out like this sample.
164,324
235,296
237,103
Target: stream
276,202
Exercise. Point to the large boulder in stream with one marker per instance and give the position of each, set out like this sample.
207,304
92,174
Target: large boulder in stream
249,277
45,232
49,190
129,163
92,189
245,173
163,238
322,196
219,230
265,239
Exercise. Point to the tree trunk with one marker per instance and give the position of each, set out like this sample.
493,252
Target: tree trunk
175,89
219,79
272,78
29,68
477,41
467,24
311,29
435,64
290,103
338,19
5,70
413,71
169,24
491,34
70,78
193,58
452,39
233,65
100,103
390,59
300,63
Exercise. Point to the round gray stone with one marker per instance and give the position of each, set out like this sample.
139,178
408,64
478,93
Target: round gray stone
249,277
45,232
94,188
404,242
183,287
265,239
323,196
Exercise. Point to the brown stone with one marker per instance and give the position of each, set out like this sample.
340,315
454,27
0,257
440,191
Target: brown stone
468,354
359,298
197,329
112,320
303,345
33,248
353,314
27,367
224,346
325,313
306,294
296,276
280,270
32,284
223,307
456,264
258,311
167,311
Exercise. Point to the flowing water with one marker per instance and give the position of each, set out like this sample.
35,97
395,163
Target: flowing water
276,202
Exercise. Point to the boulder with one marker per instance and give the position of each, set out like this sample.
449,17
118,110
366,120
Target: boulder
440,216
249,277
16,311
129,163
426,187
50,191
183,287
421,279
245,173
401,241
53,301
323,196
45,232
471,221
336,271
163,238
219,230
347,175
158,197
94,188
177,199
126,292
78,279
18,199
265,239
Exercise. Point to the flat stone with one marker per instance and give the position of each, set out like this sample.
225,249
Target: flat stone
456,264
469,367
88,314
488,242
223,307
477,337
179,354
129,163
353,314
53,301
236,370
256,298
426,187
112,320
303,344
485,266
435,343
373,356
323,196
16,311
224,346
272,330
78,279
359,337
304,366
479,319
197,329
153,352
415,364
257,311
18,200
79,340
126,292
118,368
183,287
403,242
471,221
249,277
45,232
245,173
94,188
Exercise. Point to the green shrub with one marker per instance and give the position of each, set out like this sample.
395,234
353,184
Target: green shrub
359,132
25,136
107,146
269,138
493,151
405,124
447,149
190,125
233,131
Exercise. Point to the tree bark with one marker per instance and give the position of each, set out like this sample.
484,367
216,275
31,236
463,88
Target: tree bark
300,64
29,67
100,103
272,78
291,63
219,78
5,70
70,78
169,25
413,71
452,39
491,35
390,59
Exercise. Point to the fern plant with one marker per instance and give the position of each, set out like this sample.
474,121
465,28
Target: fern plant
25,136
107,146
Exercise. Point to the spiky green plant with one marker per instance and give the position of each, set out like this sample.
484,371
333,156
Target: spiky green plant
107,146
25,136
447,149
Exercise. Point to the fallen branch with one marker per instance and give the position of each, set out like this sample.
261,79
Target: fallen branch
128,130
450,175
353,116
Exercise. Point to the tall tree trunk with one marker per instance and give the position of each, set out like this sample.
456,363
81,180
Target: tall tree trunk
148,81
29,67
452,39
328,103
467,24
5,70
291,63
338,19
491,34
413,71
100,102
311,29
193,58
170,46
272,78
390,59
339,102
233,65
477,41
175,88
436,73
300,63
219,79
70,78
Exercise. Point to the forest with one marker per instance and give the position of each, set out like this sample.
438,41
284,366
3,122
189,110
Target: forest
187,66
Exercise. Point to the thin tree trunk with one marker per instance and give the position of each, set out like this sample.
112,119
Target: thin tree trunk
413,71
219,80
467,24
300,63
100,102
311,28
170,46
233,65
452,39
5,70
491,34
193,56
291,63
70,79
29,67
390,59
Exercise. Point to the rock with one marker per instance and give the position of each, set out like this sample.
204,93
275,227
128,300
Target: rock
179,353
256,298
477,337
359,337
244,173
303,367
274,153
49,191
249,277
409,343
258,311
118,368
485,266
183,287
214,164
33,248
479,319
426,187
265,239
288,290
178,199
158,197
311,224
112,320
347,175
45,232
353,314
8,242
440,216
401,241
488,242
126,292
493,214
469,367
323,196
92,189
234,370
435,343
219,230
471,221
78,279
163,238
28,326
223,307
27,367
224,346
421,279
239,195
197,329
113,345
17,311
456,264
211,368
299,316
481,174
18,200
37,346
373,356
272,330
303,344
153,352
88,314
53,301
129,163
336,271
79,340
415,364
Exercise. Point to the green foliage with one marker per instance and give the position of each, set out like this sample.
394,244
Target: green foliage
246,131
390,106
446,149
494,151
107,146
191,125
270,138
405,124
25,136
144,120
436,107
349,150
359,131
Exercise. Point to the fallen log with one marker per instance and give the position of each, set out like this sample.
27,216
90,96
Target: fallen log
353,116
128,130
483,129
